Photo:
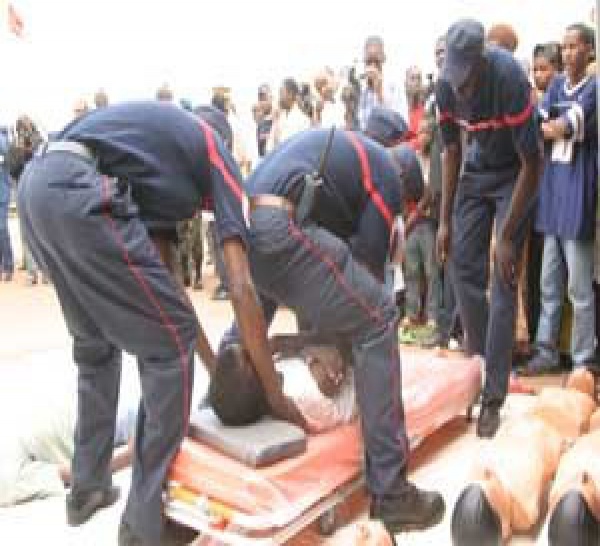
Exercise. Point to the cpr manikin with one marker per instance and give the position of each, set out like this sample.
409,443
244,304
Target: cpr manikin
516,467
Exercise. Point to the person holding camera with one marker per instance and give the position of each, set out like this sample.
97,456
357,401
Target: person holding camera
377,90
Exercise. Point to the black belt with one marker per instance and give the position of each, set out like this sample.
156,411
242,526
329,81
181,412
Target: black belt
71,147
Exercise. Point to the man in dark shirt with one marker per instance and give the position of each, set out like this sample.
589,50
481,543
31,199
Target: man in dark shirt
485,92
320,248
92,204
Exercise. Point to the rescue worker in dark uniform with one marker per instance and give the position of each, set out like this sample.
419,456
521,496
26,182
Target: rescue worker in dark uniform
321,209
98,208
484,92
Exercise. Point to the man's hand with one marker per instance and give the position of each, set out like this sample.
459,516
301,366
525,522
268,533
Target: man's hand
327,368
374,78
443,242
554,129
506,261
285,409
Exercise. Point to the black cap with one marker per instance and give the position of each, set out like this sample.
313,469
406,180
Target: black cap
464,46
217,120
386,126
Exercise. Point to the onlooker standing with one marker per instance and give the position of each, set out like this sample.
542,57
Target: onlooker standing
164,93
379,91
289,118
100,99
547,62
413,85
6,254
81,108
567,204
263,115
329,109
447,317
504,36
27,140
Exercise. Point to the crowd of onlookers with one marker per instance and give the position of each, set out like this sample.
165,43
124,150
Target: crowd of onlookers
344,99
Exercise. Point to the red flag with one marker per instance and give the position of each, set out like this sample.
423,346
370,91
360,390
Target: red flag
15,23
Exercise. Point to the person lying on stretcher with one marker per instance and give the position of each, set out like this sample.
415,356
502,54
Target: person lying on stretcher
314,376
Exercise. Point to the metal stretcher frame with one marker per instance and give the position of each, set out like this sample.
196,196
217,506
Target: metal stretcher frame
230,526
324,511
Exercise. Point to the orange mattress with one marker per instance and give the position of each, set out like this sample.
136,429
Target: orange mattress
436,388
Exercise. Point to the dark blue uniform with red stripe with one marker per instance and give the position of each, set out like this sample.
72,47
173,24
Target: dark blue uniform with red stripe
86,221
316,267
500,127
360,194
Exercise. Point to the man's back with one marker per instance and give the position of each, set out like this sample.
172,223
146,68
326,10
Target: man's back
156,147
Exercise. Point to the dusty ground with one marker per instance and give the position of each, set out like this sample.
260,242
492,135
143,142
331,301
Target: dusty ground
35,344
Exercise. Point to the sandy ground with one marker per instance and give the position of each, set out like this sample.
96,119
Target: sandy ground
36,351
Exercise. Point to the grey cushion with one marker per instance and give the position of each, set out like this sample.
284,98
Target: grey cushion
260,444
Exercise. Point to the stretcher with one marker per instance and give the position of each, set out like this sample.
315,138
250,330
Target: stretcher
236,504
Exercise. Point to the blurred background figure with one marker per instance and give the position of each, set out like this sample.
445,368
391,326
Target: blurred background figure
6,254
164,93
376,88
504,36
100,99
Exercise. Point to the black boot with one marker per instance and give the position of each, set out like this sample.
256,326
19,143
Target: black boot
127,536
414,509
82,506
488,421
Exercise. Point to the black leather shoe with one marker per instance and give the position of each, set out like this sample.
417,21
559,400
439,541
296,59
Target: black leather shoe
82,506
127,536
488,421
413,509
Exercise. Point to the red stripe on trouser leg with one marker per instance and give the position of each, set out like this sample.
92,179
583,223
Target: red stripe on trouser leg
167,324
372,312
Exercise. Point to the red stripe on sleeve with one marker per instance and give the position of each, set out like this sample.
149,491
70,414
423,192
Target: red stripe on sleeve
367,181
217,161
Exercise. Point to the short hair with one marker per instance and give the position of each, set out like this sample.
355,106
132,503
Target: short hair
235,392
586,33
291,86
504,36
552,52
374,40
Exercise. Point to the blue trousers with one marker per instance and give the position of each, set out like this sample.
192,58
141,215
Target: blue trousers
489,324
311,271
567,263
84,231
6,254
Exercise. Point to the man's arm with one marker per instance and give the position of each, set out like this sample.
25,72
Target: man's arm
203,348
451,161
524,191
253,330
